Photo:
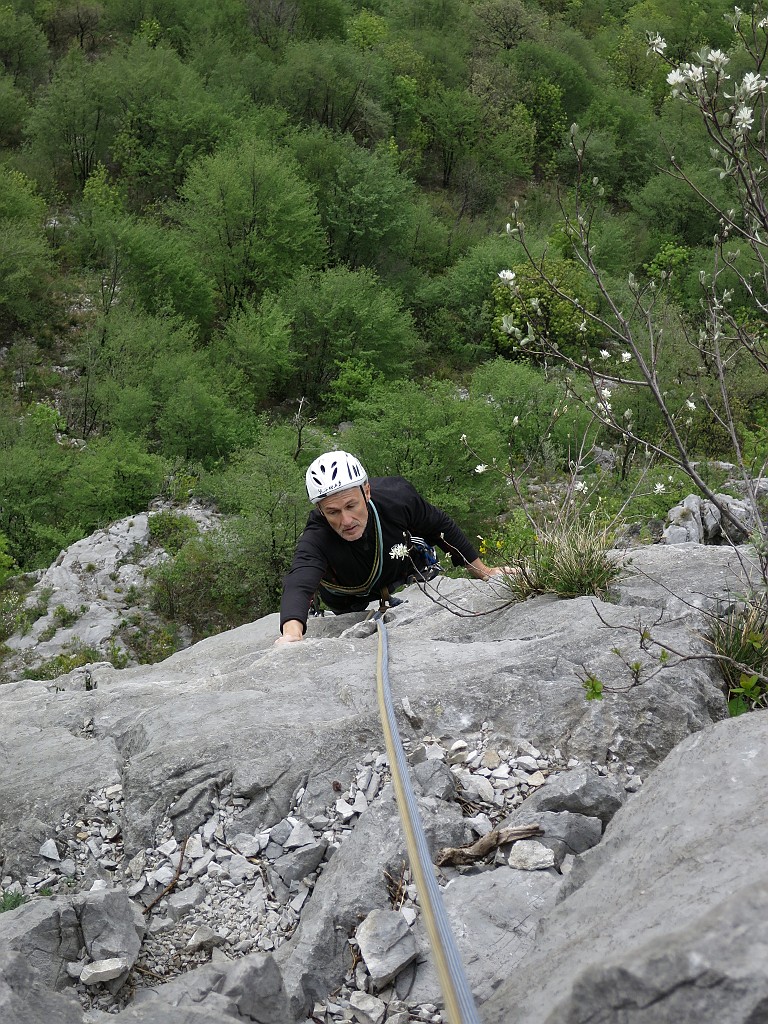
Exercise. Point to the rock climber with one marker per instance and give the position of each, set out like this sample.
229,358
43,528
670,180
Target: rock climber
364,537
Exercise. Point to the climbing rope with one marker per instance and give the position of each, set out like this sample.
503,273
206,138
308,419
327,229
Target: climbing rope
459,1002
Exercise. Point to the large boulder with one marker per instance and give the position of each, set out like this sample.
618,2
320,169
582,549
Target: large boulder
665,920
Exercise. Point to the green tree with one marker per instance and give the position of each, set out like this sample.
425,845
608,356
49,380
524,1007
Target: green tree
141,261
251,219
25,258
414,430
165,120
145,376
340,314
453,118
14,110
252,355
23,48
366,204
72,125
335,85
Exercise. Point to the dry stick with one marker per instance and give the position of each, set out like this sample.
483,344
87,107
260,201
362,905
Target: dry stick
173,881
486,843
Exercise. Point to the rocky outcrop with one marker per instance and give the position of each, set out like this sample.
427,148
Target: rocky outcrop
251,778
84,599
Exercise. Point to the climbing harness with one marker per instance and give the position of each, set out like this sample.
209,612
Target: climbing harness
424,560
459,1002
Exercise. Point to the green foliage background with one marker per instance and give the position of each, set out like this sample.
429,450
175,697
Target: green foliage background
214,215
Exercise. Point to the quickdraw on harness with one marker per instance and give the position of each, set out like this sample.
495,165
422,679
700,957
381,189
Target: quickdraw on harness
459,1002
425,562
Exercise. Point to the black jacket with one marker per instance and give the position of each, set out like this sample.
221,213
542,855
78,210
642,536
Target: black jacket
322,555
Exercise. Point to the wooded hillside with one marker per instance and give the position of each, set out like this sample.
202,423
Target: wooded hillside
229,227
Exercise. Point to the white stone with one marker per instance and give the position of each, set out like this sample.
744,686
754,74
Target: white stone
530,855
367,1009
476,787
194,847
49,850
103,970
347,811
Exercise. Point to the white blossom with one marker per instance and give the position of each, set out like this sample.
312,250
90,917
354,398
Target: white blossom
659,489
690,405
398,551
604,353
627,414
507,276
743,119
481,468
463,438
579,485
656,44
717,59
676,78
752,83
515,421
583,325
626,357
605,393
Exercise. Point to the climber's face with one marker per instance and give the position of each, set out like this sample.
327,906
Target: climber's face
347,512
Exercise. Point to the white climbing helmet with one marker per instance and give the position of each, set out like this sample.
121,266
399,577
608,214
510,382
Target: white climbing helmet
334,471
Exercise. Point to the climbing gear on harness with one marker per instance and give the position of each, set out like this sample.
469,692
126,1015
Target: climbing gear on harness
332,472
424,560
459,1002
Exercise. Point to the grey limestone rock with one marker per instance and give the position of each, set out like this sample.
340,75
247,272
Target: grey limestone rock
315,960
250,988
101,971
435,779
531,855
297,864
581,791
47,934
715,969
494,916
26,998
387,945
112,925
658,892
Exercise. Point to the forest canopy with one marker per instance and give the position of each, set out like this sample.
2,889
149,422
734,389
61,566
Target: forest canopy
229,228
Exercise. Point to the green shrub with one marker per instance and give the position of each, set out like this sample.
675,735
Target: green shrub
569,558
223,578
73,656
64,616
171,530
739,636
11,900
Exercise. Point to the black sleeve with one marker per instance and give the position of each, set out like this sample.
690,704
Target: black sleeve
303,578
437,528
